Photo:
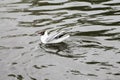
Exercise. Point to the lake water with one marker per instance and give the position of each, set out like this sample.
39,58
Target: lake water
91,53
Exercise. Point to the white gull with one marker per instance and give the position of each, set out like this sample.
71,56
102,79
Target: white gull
50,37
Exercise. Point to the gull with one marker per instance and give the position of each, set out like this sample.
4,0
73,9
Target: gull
50,37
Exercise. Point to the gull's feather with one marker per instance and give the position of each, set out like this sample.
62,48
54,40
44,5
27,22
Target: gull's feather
54,37
60,39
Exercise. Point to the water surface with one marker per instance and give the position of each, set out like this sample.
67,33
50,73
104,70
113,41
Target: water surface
91,53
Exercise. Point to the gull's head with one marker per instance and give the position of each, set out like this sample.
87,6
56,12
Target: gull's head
41,33
43,36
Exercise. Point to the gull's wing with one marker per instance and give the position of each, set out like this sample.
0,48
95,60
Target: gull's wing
54,35
60,39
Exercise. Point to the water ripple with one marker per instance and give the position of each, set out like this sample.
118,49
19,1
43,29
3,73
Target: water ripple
91,53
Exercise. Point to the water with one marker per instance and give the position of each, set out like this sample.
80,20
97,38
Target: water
91,53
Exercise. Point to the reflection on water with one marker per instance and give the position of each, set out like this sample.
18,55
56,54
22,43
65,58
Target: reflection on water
91,53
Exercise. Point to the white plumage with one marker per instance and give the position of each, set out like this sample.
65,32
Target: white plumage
50,37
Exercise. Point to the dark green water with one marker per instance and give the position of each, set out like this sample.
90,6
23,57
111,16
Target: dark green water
91,53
